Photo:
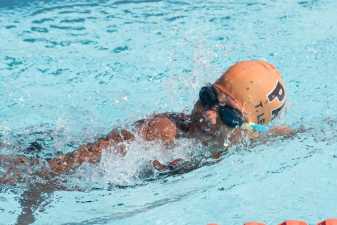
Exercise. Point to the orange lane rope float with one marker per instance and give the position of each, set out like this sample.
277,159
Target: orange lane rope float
331,221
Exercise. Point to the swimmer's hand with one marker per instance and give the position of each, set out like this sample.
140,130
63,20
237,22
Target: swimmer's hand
159,166
170,166
285,131
176,166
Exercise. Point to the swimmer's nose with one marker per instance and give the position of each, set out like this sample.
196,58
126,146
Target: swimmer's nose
211,116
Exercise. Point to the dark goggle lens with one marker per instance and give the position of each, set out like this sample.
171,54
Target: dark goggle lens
208,97
230,116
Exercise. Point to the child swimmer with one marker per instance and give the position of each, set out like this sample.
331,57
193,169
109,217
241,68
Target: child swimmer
239,105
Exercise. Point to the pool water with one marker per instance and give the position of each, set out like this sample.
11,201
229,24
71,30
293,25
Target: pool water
72,70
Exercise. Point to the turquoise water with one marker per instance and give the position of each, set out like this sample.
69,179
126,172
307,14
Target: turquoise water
72,70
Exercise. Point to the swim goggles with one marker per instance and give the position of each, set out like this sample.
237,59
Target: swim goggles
230,116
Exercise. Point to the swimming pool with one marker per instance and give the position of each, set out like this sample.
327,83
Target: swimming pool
72,70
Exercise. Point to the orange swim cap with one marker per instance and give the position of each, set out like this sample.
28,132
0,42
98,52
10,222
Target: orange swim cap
257,88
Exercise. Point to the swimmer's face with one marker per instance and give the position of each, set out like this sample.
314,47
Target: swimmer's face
217,108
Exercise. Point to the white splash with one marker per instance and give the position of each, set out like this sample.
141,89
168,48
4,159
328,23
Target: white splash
132,168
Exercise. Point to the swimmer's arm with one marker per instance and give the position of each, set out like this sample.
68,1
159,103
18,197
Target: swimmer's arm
91,152
285,131
255,137
157,128
282,131
17,167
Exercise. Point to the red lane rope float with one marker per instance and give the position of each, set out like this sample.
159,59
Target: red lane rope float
331,221
293,222
254,223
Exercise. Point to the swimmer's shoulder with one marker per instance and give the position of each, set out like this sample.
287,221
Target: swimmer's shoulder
182,121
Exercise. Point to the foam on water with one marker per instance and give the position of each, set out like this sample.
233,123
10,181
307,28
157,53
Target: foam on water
135,167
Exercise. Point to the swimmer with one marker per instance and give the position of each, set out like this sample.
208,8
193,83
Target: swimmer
238,105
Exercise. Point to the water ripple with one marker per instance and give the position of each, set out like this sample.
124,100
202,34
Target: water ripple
12,62
76,20
135,2
130,213
51,43
39,29
120,49
171,19
178,2
74,11
43,20
76,28
46,10
147,15
10,27
310,4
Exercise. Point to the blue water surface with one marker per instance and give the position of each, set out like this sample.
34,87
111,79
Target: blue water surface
72,70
